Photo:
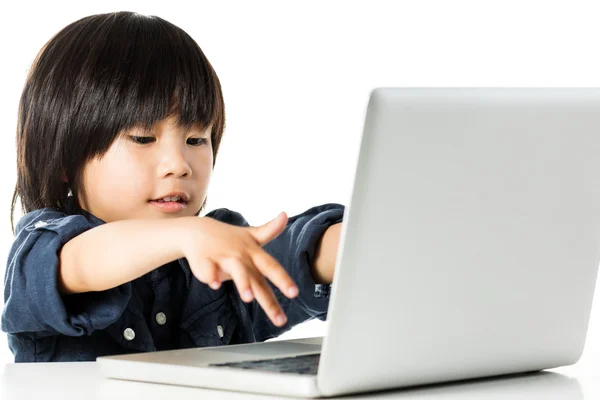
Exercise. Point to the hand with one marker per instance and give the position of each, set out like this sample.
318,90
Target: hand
217,252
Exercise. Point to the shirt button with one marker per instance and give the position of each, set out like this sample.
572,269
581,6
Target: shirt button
40,224
161,318
129,334
220,330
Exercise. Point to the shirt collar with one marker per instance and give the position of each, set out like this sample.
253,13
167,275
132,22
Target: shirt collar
70,210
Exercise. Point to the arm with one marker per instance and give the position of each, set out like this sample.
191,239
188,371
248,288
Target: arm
115,253
55,253
325,256
32,302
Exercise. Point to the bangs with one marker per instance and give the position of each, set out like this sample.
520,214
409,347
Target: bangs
160,71
135,70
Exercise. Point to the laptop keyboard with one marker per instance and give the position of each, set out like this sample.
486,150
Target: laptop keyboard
304,365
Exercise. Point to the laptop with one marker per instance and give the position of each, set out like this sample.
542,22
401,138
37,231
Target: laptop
470,248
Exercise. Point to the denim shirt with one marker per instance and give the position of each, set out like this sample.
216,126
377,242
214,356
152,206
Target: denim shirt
167,308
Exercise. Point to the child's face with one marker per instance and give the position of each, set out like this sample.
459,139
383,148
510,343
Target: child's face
124,181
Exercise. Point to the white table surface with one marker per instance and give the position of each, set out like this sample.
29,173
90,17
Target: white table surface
49,381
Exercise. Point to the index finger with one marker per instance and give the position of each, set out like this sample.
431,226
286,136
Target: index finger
273,271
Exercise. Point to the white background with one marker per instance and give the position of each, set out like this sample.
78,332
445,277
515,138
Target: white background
296,78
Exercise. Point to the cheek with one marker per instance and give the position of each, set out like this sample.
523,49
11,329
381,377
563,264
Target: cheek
204,171
206,164
117,177
127,179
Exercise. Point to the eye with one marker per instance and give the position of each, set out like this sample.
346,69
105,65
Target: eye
197,141
142,139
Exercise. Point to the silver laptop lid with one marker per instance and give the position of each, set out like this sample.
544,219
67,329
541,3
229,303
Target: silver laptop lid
471,242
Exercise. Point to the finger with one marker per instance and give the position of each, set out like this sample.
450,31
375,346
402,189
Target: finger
206,271
267,300
273,271
212,272
222,275
239,273
263,234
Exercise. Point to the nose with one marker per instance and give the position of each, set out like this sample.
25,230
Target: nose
173,161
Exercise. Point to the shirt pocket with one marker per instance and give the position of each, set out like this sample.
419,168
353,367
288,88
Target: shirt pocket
212,325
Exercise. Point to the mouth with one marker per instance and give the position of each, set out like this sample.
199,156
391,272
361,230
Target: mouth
173,196
171,202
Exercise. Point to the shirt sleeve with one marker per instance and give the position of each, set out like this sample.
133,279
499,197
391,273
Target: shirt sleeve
295,250
32,302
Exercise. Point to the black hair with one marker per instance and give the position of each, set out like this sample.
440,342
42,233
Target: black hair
98,76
